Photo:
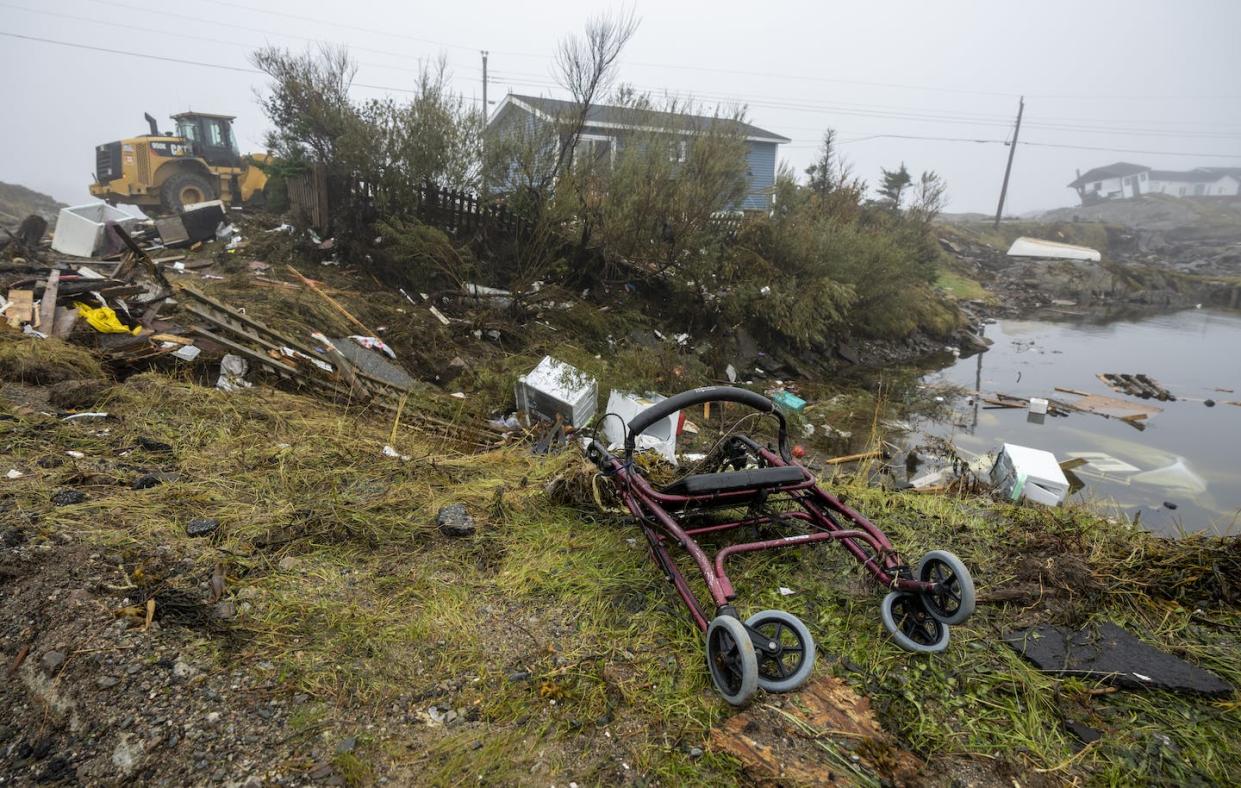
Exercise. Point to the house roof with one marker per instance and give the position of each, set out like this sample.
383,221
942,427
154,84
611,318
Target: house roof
1118,170
1187,176
605,116
1221,171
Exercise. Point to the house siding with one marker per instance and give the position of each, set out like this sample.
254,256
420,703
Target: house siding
760,162
760,156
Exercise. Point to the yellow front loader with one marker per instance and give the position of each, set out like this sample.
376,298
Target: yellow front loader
167,171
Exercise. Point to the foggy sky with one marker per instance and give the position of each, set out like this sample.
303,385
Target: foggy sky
1162,77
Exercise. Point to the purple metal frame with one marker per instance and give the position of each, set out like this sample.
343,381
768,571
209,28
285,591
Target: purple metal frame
819,511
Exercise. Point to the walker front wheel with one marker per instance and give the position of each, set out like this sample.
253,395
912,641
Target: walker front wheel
789,660
912,626
731,660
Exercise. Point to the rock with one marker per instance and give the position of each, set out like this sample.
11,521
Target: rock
126,754
182,669
454,520
202,526
1169,505
1082,731
519,675
224,610
68,497
213,717
107,682
76,394
288,563
153,445
320,772
695,752
347,745
11,537
149,480
52,660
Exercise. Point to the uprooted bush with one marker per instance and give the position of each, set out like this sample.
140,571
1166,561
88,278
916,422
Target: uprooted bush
40,361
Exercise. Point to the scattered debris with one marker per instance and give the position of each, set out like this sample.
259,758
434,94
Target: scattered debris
454,520
1030,474
201,526
233,369
1037,247
788,401
829,736
554,388
1109,653
68,497
660,437
1136,385
80,228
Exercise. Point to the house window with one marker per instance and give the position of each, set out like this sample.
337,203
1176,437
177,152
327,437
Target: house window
680,151
596,149
1143,176
1198,189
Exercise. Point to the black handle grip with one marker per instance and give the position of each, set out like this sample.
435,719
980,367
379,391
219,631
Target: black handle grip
685,399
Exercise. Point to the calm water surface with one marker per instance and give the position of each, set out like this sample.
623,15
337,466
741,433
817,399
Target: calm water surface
1189,455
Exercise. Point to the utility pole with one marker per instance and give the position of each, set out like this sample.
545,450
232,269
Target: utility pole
484,87
999,212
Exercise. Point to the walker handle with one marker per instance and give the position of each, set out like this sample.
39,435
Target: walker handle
698,396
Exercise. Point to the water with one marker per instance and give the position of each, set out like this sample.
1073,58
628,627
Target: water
1188,455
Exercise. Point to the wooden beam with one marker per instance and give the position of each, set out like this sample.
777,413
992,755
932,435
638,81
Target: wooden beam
335,304
47,307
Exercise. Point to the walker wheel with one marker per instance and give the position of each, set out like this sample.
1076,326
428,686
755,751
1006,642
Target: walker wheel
793,661
953,601
731,660
905,615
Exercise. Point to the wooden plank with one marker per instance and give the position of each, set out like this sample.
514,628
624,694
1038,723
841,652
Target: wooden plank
63,322
334,303
814,740
47,307
21,307
865,455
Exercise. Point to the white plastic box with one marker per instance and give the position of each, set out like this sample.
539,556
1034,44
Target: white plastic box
554,387
1031,474
622,407
79,228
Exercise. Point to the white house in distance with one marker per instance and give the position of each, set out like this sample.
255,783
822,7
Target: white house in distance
1124,180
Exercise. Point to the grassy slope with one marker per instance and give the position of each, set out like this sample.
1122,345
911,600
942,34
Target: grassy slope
378,611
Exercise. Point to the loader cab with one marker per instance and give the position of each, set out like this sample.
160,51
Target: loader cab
211,137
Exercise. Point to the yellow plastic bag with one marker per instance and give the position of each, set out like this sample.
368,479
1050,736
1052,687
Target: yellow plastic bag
104,320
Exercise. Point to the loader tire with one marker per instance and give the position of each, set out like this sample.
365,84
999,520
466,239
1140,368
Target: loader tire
185,189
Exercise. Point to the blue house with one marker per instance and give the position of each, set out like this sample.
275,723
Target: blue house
606,127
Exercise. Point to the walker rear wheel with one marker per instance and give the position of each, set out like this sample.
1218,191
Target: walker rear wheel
793,661
953,600
731,660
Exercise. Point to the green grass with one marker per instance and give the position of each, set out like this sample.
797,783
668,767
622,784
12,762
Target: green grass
961,287
377,608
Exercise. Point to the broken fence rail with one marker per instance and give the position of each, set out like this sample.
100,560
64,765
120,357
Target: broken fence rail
262,345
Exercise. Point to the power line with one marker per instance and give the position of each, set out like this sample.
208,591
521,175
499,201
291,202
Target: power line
1234,157
233,27
183,61
845,108
804,77
243,70
913,114
206,39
